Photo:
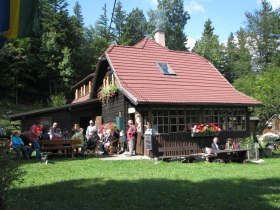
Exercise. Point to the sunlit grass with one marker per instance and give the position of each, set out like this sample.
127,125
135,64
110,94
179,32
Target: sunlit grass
96,184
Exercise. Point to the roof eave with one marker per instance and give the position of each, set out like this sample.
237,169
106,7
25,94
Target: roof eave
45,110
197,103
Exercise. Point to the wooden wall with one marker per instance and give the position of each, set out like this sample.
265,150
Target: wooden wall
184,139
111,110
64,117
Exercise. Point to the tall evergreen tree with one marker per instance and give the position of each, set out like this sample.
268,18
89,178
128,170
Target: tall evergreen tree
209,47
79,56
237,57
102,26
58,33
135,27
263,32
17,72
170,15
243,64
118,21
78,13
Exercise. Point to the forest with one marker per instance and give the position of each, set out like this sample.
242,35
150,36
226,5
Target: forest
41,69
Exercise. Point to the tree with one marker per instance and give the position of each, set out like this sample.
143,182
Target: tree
101,26
263,87
135,27
95,46
78,13
171,17
119,23
59,32
16,70
263,34
237,57
209,47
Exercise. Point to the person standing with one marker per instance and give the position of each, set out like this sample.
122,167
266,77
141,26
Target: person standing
90,128
130,136
33,136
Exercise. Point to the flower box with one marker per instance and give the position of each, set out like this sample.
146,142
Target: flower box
203,134
107,92
205,130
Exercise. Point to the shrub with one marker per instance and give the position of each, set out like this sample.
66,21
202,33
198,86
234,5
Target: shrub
57,100
10,173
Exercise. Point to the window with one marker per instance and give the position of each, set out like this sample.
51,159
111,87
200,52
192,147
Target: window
193,116
226,119
166,69
177,121
160,121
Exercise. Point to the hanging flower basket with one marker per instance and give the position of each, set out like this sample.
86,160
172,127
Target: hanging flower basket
209,129
107,92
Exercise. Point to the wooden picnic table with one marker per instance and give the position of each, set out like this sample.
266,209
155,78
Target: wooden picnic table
234,155
67,146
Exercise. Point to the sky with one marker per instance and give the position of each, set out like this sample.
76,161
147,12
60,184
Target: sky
226,15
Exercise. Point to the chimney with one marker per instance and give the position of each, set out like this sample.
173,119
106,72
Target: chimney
160,37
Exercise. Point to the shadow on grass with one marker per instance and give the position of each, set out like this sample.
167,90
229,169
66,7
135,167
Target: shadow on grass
151,194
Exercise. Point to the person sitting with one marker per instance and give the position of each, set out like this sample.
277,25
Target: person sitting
27,143
57,135
115,141
24,137
110,139
230,145
79,135
44,135
93,140
18,146
215,145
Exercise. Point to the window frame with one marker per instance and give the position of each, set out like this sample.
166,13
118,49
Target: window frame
170,70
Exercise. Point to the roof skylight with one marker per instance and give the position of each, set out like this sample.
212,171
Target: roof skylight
166,69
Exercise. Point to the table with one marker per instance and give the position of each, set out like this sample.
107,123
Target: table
235,155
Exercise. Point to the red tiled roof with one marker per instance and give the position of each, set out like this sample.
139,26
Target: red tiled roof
196,81
81,99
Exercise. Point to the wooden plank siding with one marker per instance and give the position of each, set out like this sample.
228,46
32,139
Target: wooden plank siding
111,110
191,144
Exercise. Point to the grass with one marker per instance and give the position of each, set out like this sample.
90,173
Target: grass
96,184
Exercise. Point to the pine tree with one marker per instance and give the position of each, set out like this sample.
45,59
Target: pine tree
263,31
209,47
118,23
170,15
102,26
135,27
78,13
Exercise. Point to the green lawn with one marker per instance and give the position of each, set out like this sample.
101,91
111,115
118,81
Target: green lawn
96,184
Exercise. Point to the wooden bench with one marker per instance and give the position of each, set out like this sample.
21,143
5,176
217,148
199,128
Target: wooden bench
175,153
67,146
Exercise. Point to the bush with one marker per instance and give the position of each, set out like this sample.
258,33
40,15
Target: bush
9,173
57,100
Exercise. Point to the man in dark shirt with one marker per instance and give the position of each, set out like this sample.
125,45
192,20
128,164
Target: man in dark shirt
27,143
24,137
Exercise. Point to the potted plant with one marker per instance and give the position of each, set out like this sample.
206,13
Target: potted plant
107,92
